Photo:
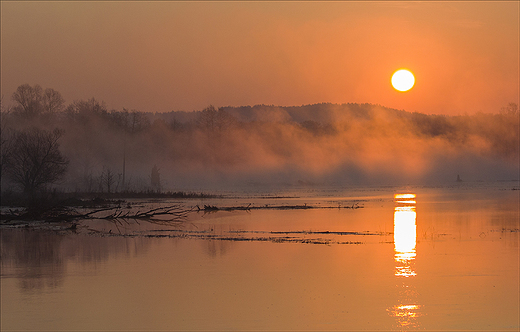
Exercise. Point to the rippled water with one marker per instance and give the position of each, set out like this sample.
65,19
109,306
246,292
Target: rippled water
438,258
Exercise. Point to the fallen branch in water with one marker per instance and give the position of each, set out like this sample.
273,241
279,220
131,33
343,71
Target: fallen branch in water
212,208
176,211
63,214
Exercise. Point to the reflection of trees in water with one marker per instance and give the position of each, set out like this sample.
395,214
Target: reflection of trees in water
38,259
89,249
216,248
34,257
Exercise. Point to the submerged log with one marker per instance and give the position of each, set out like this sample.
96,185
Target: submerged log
212,208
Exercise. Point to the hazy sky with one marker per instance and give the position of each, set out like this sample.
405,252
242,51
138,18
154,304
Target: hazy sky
163,56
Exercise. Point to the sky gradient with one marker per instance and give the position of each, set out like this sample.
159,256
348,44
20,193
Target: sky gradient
165,56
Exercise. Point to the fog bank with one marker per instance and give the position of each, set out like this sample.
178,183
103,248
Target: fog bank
321,144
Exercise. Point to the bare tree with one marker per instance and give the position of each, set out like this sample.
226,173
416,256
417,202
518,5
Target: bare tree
29,100
6,145
84,111
131,121
213,120
52,101
207,119
33,100
35,159
108,180
5,136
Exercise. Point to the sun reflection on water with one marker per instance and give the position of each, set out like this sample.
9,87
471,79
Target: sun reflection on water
406,314
405,240
405,234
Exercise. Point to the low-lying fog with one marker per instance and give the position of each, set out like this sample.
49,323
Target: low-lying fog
317,144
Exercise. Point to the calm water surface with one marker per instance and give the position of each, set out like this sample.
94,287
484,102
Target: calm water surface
433,259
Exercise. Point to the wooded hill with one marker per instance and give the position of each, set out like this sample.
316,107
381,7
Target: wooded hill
114,150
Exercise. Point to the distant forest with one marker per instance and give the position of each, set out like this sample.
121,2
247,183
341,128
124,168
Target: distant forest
100,150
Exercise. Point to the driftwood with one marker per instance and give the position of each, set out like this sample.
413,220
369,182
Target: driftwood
57,214
117,213
212,208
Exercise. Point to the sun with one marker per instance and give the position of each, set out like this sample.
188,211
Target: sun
403,80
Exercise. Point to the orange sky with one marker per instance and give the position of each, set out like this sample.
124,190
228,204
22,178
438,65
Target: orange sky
165,56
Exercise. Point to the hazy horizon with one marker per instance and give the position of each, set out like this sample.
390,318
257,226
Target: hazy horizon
184,56
131,86
256,165
310,145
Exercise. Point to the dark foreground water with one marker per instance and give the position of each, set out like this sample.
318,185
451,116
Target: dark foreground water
411,258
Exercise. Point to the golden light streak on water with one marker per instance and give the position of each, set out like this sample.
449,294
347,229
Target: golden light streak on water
405,241
401,196
406,202
405,234
408,307
406,314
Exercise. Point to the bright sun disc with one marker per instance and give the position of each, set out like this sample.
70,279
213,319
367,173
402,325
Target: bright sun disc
403,80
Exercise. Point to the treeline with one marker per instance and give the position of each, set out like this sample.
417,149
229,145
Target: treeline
102,150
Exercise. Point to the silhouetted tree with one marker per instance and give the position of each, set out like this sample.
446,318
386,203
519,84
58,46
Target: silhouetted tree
52,101
28,100
35,159
207,118
138,121
83,111
6,146
33,101
107,179
5,136
213,120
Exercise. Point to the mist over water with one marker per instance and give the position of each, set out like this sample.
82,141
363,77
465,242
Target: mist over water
315,195
327,200
321,144
443,258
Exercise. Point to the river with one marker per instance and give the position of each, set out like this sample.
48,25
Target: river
376,258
